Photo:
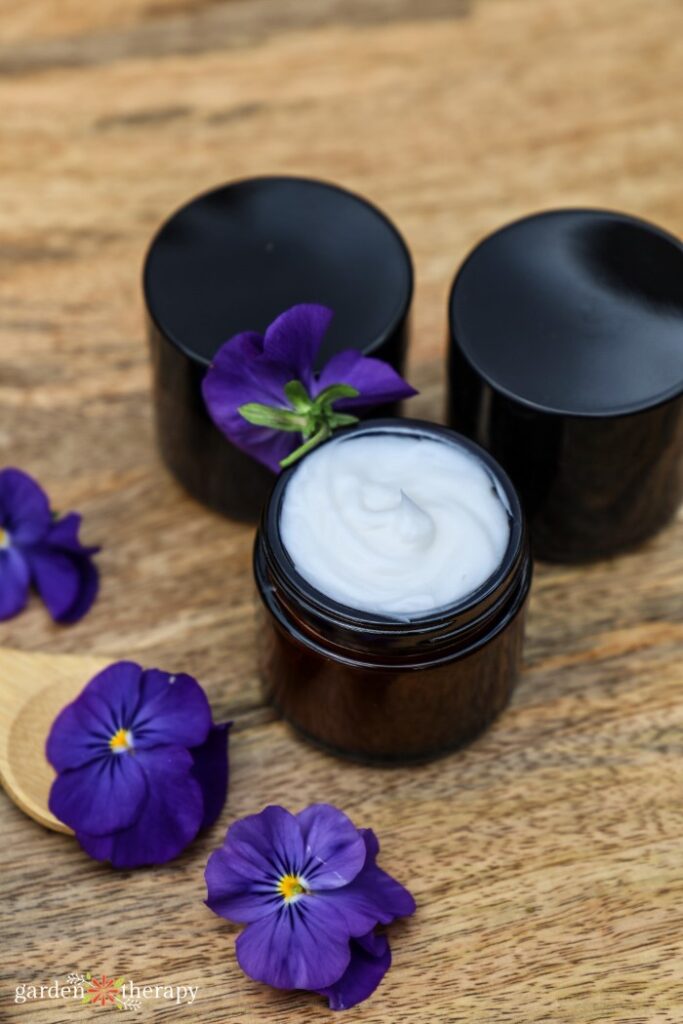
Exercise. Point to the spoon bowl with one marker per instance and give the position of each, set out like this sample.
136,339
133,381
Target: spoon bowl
34,687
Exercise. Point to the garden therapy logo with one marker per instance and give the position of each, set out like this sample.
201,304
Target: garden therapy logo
106,992
102,990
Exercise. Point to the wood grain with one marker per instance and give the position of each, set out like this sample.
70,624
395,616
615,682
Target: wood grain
546,858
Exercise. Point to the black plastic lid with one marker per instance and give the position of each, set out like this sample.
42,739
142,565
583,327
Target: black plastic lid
233,259
574,312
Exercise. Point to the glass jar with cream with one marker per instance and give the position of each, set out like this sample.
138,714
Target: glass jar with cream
394,568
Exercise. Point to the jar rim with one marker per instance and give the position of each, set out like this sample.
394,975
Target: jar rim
465,610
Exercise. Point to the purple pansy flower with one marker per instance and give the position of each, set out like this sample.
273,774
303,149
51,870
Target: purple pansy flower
311,894
141,765
264,395
36,548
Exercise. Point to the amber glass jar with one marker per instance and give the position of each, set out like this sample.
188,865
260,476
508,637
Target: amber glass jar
380,689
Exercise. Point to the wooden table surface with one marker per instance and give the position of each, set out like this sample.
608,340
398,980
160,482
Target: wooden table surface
547,859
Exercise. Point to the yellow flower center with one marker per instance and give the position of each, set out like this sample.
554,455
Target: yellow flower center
4,538
121,741
290,887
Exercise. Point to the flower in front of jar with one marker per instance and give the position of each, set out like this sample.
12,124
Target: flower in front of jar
141,766
309,890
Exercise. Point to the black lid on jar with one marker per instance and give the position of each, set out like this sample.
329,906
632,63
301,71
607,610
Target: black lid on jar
574,312
566,361
232,260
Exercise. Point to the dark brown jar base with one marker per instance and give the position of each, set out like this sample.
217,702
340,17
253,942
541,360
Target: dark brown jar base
392,716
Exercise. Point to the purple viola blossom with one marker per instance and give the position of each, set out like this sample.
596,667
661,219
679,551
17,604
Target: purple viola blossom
311,894
37,549
263,393
370,961
141,765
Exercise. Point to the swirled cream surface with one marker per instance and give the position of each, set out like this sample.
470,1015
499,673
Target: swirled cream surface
394,524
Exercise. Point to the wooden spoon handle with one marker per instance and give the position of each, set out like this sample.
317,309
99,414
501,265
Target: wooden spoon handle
33,690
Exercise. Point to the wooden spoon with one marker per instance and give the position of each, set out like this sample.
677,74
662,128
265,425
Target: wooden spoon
33,690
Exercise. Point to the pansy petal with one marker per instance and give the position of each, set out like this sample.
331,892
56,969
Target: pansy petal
373,943
210,769
24,507
290,949
248,373
118,687
173,709
266,845
64,534
293,340
240,350
97,847
101,796
168,821
373,897
334,849
240,372
237,896
370,961
80,733
376,381
63,571
88,587
395,900
14,582
238,375
56,579
84,728
269,447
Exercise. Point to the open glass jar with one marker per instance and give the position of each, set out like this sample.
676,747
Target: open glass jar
382,688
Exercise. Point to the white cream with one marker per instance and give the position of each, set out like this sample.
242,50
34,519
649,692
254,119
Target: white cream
394,524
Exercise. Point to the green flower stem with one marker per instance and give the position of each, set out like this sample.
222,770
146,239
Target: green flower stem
303,449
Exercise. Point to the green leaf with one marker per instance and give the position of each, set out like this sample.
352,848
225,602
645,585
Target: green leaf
269,416
334,392
340,419
298,396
